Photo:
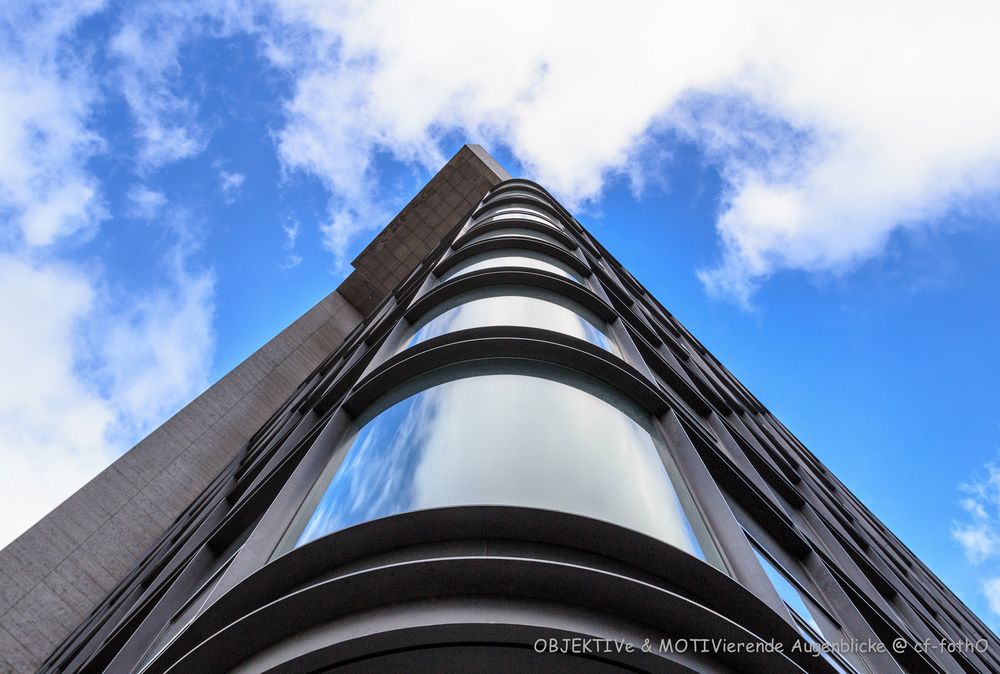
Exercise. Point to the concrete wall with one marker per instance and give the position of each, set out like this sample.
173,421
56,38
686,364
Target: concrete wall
56,573
411,235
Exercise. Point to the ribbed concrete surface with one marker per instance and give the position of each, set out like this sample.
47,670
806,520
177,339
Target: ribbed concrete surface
411,235
55,574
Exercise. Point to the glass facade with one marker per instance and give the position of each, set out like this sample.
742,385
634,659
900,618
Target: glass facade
501,439
800,612
520,258
516,306
513,213
507,194
516,231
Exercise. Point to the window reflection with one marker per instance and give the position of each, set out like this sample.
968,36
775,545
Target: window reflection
517,306
799,611
515,193
516,214
516,231
513,212
527,259
501,439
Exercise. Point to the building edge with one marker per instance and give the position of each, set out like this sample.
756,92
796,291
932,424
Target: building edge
57,572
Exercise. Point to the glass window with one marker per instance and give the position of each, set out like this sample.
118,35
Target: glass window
787,591
515,193
512,305
513,212
504,439
800,612
507,258
516,231
520,214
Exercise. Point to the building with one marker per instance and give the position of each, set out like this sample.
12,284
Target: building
489,449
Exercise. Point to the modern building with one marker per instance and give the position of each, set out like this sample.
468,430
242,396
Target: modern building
490,449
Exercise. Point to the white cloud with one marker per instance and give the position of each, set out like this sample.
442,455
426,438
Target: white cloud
991,588
291,261
833,125
291,229
52,422
166,124
230,182
147,53
45,191
329,134
84,374
85,368
145,204
154,348
979,533
980,541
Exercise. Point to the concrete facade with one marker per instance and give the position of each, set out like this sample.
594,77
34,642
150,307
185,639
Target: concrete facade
55,574
411,235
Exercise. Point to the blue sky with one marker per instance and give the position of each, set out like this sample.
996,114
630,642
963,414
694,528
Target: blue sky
814,195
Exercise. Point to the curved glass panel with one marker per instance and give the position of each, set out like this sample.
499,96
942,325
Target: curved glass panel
501,439
516,231
507,258
516,193
518,306
515,213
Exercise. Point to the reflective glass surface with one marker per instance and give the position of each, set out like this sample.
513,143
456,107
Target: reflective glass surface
516,231
513,212
527,259
500,439
516,193
787,591
518,306
800,612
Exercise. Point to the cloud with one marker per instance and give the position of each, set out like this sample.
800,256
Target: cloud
52,422
832,126
91,373
980,541
978,534
230,184
830,133
291,230
85,378
146,51
145,204
86,367
991,588
154,348
329,135
45,190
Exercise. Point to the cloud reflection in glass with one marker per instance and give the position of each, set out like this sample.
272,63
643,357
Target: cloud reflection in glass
502,439
526,259
525,307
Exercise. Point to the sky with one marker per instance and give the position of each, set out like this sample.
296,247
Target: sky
812,188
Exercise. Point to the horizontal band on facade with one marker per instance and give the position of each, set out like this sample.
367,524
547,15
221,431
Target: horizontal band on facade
498,345
536,556
513,244
510,276
533,225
